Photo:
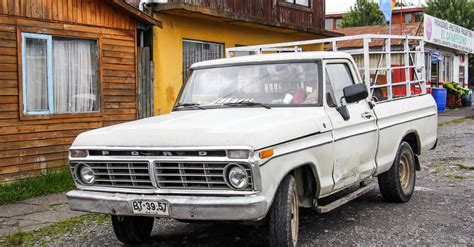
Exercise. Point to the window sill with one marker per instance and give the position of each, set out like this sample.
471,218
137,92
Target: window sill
24,116
295,6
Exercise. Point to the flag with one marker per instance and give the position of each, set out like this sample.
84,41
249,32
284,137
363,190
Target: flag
386,7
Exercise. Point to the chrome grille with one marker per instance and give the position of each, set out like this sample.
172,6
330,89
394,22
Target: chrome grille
177,175
120,174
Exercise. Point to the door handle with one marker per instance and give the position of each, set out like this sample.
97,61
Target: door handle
367,115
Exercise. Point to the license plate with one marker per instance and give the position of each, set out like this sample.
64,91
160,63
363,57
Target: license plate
150,208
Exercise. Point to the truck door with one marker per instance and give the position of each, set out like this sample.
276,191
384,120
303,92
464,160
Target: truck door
355,139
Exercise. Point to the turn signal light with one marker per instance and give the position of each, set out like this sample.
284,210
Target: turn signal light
267,153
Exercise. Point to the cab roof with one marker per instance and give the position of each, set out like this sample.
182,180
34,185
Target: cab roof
277,57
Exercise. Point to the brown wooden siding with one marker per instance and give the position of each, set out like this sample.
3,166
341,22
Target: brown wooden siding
276,10
29,144
88,12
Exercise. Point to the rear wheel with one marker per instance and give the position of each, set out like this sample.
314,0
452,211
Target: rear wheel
284,215
132,229
398,183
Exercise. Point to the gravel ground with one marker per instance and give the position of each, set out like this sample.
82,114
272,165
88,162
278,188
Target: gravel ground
441,211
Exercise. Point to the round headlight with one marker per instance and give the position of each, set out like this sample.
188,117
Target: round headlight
237,177
86,174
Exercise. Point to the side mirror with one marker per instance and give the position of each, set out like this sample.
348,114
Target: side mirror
356,92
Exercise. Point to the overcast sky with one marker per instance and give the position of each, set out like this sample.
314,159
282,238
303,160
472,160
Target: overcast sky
337,6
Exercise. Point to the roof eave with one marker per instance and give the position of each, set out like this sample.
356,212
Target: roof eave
136,13
219,14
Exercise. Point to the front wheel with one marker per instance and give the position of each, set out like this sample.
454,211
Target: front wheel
284,215
132,229
398,183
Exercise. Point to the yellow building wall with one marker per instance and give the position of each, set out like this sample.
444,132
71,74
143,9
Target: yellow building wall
168,53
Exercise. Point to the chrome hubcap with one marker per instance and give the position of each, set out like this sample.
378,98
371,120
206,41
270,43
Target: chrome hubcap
405,175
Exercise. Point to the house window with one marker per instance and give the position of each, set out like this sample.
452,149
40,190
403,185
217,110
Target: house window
298,2
59,75
338,22
197,51
418,17
408,18
447,69
328,24
462,76
434,74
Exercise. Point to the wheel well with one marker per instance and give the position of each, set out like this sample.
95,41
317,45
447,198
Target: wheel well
305,184
414,141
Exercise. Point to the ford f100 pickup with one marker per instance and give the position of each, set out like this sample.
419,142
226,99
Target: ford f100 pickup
253,139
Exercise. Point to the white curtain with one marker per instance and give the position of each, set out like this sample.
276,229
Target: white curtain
36,75
75,76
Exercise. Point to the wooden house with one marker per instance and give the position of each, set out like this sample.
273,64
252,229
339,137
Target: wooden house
66,66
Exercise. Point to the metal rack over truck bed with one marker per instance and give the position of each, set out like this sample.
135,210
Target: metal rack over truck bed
376,57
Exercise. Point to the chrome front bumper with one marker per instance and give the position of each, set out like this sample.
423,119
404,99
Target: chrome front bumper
245,208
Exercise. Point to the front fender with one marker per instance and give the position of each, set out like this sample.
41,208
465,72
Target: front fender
275,170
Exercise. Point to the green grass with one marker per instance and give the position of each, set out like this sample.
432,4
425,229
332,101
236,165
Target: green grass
462,166
53,182
437,171
453,122
54,231
453,176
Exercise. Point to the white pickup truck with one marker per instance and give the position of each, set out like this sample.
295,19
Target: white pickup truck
254,138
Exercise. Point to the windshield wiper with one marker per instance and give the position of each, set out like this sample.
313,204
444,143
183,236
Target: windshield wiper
185,105
247,103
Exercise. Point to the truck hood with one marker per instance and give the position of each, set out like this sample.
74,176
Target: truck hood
251,127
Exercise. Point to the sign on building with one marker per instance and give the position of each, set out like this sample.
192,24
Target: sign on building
446,34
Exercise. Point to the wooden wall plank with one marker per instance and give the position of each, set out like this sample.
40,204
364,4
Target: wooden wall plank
41,135
9,107
34,151
69,11
4,7
90,12
7,43
8,51
8,83
12,59
11,7
31,128
8,91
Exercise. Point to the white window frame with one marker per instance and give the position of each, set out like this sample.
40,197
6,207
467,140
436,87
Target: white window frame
49,62
298,4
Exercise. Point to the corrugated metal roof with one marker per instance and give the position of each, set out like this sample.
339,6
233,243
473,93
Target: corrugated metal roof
411,29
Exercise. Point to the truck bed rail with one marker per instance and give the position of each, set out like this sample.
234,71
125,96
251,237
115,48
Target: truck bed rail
392,66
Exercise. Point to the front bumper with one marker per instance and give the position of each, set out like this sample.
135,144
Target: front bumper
242,208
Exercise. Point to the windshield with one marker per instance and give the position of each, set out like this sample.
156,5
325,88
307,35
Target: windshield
282,84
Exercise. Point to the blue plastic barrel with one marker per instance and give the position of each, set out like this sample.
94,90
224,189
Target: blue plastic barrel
467,100
440,95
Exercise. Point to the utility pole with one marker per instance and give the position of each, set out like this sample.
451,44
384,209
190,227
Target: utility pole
401,17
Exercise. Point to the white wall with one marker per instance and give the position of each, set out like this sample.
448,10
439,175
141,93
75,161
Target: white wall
456,63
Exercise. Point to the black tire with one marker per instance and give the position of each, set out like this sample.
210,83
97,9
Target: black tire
284,214
398,183
132,229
